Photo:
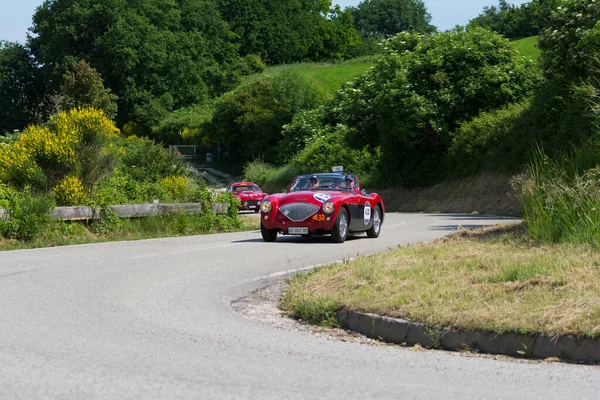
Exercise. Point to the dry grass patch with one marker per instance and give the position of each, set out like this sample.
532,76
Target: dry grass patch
486,193
492,279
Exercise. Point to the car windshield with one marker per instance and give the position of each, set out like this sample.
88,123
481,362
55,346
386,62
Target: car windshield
246,188
323,182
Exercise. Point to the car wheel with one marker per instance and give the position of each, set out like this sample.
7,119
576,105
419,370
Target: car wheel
268,235
339,232
374,230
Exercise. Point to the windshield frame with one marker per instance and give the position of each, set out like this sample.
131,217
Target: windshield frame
327,182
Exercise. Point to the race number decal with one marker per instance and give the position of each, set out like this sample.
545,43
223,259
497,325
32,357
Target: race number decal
322,197
367,213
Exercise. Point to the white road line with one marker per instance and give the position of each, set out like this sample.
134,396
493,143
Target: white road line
291,271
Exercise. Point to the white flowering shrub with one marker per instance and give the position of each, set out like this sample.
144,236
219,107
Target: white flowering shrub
572,42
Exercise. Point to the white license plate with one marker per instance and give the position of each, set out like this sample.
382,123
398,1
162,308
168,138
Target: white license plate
252,206
298,231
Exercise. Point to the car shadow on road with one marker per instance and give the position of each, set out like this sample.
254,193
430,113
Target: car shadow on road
484,217
295,239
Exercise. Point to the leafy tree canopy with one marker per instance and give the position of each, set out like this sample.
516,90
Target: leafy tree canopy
423,88
571,42
83,87
155,55
20,87
285,31
249,121
517,22
385,18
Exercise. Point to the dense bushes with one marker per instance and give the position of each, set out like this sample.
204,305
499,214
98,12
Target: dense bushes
248,121
422,89
74,143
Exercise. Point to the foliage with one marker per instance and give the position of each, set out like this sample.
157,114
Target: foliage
249,121
21,88
560,199
186,125
328,149
74,143
270,178
489,142
571,41
28,215
422,89
386,18
253,64
513,22
155,55
286,31
142,160
83,87
305,127
69,191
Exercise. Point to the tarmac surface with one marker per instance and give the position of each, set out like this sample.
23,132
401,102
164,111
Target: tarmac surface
166,318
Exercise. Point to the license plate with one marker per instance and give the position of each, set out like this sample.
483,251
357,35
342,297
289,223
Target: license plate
298,231
252,206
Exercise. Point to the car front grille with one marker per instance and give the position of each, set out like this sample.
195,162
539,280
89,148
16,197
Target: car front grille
298,211
249,203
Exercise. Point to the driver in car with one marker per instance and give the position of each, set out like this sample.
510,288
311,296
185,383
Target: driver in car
350,184
314,182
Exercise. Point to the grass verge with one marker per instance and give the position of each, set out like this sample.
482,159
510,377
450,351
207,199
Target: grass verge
493,279
60,233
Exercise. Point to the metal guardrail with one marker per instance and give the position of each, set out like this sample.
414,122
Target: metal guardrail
80,213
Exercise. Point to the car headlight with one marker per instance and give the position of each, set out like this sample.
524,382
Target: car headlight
328,207
265,206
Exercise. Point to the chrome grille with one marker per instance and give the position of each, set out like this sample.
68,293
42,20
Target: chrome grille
298,211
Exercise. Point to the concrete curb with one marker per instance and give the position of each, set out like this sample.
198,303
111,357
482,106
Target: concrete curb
399,331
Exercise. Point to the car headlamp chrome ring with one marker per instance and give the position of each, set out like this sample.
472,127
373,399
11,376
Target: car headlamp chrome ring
265,206
328,207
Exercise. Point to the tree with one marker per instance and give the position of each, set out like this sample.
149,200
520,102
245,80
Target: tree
517,22
179,52
422,89
249,121
20,87
83,87
385,18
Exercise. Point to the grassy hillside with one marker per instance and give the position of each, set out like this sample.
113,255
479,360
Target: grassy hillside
528,47
327,78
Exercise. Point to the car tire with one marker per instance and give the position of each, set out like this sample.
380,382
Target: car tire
268,235
375,228
339,232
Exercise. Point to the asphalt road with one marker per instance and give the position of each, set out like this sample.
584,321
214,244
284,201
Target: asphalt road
153,319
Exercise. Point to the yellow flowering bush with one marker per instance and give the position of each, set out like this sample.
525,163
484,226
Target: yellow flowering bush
71,143
175,186
69,192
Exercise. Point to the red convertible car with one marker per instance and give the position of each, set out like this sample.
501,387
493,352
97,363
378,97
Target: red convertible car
330,203
249,193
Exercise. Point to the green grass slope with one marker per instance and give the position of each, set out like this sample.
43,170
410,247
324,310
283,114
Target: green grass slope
528,47
328,78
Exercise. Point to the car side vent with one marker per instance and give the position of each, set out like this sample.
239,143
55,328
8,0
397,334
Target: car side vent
298,211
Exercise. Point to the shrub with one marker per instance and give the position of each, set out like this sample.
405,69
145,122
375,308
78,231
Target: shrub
422,89
28,215
69,192
72,143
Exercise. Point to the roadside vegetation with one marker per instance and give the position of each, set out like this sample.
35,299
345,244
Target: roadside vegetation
495,279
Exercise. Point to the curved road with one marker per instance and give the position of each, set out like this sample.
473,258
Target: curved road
153,319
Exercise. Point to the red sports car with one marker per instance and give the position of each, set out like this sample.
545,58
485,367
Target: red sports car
249,193
319,204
